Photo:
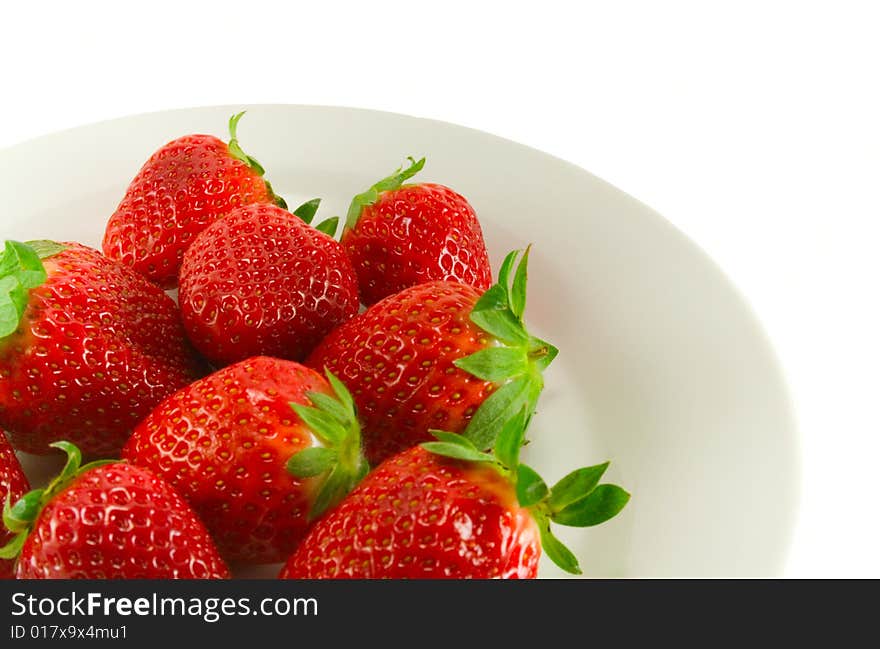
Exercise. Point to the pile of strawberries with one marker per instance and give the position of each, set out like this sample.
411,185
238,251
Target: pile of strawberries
265,417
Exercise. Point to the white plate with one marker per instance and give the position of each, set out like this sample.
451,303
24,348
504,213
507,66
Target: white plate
663,369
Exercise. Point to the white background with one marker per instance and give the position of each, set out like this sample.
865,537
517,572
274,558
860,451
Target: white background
753,127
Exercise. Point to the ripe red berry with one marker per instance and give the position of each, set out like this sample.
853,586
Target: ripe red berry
446,510
87,347
108,520
431,355
263,282
226,442
186,185
400,235
13,485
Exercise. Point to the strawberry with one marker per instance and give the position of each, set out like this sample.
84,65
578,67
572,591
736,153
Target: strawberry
87,347
430,356
399,235
13,485
184,186
262,282
448,510
108,520
226,442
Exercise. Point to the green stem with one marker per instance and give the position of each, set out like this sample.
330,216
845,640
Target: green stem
339,463
394,181
238,153
20,517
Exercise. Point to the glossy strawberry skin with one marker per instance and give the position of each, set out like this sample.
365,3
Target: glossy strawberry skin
13,484
223,443
421,516
97,348
183,187
119,521
397,357
262,282
415,234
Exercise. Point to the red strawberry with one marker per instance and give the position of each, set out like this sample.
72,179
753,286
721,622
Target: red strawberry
431,355
13,485
401,235
108,520
87,347
448,510
184,186
225,443
262,282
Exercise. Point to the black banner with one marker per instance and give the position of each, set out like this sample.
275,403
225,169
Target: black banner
398,613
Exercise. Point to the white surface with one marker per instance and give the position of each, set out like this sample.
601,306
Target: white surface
751,126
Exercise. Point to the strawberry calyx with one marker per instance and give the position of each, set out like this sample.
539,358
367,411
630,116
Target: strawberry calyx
19,518
238,153
306,212
339,460
395,181
328,226
516,362
21,269
577,500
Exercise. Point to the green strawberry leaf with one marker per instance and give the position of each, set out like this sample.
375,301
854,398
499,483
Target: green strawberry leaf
576,500
457,451
71,467
494,299
13,302
21,269
94,464
19,516
501,324
9,522
334,422
321,423
515,358
510,440
307,210
329,226
496,410
394,181
280,202
556,550
456,446
341,391
235,149
603,502
8,260
576,485
500,309
334,489
45,248
518,288
24,262
495,364
401,175
504,271
236,152
530,487
541,353
311,462
13,548
453,438
330,406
